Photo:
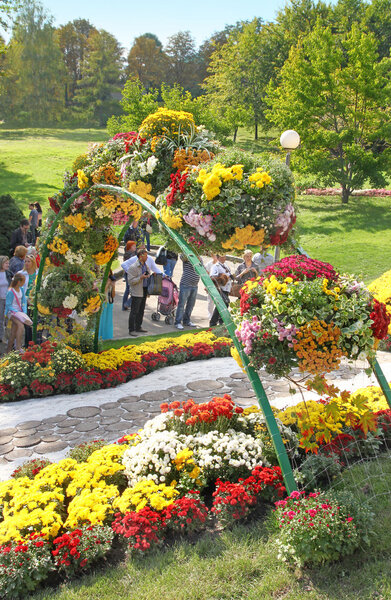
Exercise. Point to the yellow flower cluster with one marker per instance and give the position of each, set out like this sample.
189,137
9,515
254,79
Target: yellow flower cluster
146,493
168,217
167,122
260,178
43,310
58,245
111,245
82,180
381,289
186,157
236,356
92,305
142,189
245,236
334,292
77,222
272,285
91,506
212,180
184,461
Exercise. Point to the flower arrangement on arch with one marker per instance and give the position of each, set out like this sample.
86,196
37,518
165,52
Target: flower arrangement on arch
301,313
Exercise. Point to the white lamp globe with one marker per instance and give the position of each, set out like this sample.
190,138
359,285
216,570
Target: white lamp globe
290,139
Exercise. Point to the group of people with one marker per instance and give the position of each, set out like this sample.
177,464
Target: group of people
17,277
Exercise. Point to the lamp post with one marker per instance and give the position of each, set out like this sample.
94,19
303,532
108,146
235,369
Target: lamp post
289,140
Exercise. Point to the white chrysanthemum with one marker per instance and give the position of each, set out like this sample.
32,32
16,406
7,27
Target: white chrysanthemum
70,301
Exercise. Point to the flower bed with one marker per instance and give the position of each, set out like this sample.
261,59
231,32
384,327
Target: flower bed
191,467
54,368
338,192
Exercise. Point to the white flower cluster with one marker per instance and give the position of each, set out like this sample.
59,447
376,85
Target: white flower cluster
74,258
152,457
70,301
103,211
148,167
218,454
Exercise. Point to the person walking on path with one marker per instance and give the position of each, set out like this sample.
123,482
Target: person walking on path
220,267
33,220
19,236
188,287
171,261
30,272
15,302
5,280
138,275
106,317
17,260
130,251
134,233
146,228
247,269
152,266
220,281
208,268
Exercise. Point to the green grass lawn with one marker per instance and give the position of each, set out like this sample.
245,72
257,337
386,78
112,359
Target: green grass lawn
33,161
355,238
242,564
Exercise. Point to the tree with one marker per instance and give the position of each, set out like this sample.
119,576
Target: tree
99,89
377,19
182,61
336,94
137,104
73,40
32,85
147,61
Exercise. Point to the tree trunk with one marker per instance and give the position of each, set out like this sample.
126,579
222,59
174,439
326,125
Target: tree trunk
256,131
345,194
235,134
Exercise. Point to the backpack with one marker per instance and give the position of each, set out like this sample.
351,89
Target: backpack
161,256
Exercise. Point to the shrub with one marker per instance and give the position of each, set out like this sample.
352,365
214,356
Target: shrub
80,548
11,215
142,530
31,468
81,452
314,529
319,470
186,515
23,565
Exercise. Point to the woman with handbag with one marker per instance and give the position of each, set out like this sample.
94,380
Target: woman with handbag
15,310
245,271
5,280
106,317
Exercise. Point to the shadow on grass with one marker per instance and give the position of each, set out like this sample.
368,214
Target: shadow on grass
16,184
74,135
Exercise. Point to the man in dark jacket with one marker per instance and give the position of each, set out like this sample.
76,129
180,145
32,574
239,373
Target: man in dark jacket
19,236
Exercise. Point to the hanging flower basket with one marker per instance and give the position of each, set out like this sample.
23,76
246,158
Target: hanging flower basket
308,317
227,205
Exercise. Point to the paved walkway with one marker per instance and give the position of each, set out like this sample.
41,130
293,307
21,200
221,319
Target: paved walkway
49,427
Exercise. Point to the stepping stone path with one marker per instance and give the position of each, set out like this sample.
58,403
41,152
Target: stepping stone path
111,420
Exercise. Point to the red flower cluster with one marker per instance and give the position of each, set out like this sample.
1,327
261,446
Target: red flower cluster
76,278
142,529
39,354
61,312
299,267
177,185
233,501
207,412
187,514
381,320
341,445
53,205
153,360
66,548
281,234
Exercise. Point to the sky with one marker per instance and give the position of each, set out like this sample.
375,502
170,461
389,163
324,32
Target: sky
127,19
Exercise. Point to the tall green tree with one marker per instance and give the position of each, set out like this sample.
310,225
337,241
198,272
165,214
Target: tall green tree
99,90
147,61
182,61
334,91
137,103
31,89
73,40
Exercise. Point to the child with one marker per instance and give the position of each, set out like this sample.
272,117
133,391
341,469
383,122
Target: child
15,303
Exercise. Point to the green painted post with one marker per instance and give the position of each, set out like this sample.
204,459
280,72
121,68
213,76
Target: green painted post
382,380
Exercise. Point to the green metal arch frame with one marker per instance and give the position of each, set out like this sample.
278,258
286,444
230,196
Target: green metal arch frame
253,376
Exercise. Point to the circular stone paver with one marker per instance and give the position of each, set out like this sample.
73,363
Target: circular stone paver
18,453
109,420
120,427
49,438
205,385
66,423
29,424
26,442
84,412
127,417
138,414
112,412
87,426
8,431
108,405
177,388
158,396
5,439
65,431
243,392
48,447
238,375
6,448
53,420
127,399
25,433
